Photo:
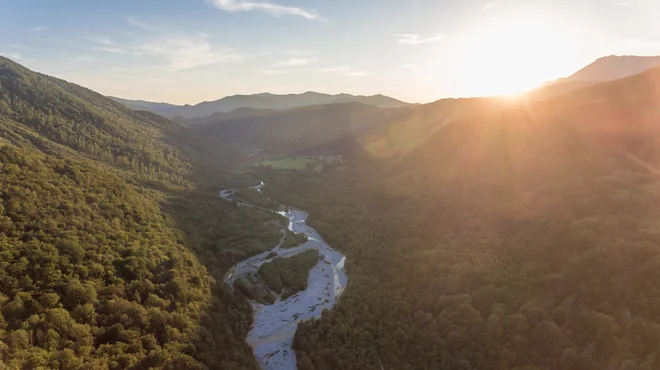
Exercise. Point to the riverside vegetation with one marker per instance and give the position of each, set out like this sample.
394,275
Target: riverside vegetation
479,234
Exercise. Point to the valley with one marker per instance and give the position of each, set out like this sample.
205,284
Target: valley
275,322
478,233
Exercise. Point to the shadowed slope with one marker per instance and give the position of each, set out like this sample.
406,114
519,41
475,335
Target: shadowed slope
514,235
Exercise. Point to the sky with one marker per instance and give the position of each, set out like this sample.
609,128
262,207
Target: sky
188,51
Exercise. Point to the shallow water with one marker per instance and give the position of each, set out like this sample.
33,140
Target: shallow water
271,336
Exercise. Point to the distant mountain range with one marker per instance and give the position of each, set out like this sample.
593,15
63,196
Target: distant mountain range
264,101
604,69
108,213
160,108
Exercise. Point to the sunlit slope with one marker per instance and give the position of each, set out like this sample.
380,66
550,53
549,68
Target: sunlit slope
602,70
614,67
100,127
514,235
99,264
610,111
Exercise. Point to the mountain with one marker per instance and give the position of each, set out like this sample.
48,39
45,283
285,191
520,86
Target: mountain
613,68
231,115
113,241
260,101
495,234
479,233
319,129
602,70
160,108
556,88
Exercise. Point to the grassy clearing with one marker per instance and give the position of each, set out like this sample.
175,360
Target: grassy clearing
290,163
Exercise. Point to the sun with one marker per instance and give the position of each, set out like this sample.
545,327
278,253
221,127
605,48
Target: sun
512,55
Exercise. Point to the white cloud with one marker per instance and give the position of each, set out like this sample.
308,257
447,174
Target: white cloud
492,5
102,40
296,62
185,52
110,49
173,51
82,59
414,39
107,45
37,29
140,24
339,69
263,6
297,53
267,71
357,74
343,70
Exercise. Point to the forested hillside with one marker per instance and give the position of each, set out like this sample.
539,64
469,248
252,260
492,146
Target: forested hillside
479,233
112,236
263,101
513,235
322,129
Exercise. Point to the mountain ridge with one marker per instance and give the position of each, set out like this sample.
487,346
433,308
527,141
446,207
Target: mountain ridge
564,187
259,101
614,67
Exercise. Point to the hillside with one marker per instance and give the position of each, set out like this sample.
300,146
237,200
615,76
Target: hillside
479,233
557,88
613,67
322,129
262,101
510,235
602,70
164,109
238,113
113,237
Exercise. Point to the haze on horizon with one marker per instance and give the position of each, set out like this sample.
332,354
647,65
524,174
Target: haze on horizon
416,50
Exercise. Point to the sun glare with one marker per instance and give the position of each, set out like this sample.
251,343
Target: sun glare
510,56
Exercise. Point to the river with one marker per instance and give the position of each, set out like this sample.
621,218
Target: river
271,336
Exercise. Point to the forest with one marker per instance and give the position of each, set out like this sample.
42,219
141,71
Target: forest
523,236
479,234
288,275
293,239
113,236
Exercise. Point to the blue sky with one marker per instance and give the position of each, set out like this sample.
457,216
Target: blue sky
186,51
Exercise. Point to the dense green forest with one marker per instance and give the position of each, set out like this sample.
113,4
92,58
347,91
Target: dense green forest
288,275
479,233
518,235
293,239
113,237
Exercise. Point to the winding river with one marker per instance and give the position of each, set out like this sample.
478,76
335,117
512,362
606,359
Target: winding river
271,336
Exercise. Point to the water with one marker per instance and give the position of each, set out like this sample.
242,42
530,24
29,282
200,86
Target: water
271,336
